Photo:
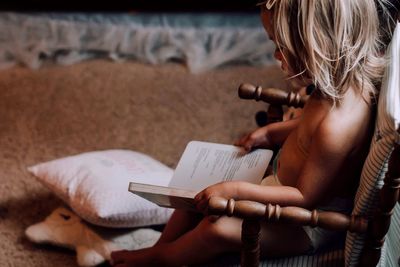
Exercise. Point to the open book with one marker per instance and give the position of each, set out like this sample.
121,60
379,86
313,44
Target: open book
201,165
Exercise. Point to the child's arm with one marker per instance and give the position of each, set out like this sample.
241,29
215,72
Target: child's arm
269,136
328,152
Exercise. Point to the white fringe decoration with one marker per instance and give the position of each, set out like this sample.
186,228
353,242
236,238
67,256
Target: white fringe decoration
29,39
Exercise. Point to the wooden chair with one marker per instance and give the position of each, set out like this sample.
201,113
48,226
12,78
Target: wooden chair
373,225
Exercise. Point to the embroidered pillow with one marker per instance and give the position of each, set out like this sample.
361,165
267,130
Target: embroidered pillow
95,186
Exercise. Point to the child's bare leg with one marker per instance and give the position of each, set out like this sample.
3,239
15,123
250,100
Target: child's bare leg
209,239
200,244
279,240
180,222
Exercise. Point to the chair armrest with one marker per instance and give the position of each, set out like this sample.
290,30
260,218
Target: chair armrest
250,210
253,213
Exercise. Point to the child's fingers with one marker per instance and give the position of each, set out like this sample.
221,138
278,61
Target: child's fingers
249,144
199,197
246,142
242,140
201,201
202,205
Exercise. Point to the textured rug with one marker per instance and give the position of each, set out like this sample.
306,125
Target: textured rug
58,111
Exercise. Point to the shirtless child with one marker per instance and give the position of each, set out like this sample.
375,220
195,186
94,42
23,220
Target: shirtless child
335,46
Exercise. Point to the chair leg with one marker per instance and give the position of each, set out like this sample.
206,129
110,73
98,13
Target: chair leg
251,231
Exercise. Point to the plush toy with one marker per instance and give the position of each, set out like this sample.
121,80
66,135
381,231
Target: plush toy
93,244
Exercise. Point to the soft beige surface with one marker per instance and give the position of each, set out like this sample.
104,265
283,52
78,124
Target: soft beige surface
58,111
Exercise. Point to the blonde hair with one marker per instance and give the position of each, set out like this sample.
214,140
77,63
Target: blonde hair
388,12
333,43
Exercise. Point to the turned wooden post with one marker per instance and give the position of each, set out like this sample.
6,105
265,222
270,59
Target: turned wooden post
380,222
272,96
275,97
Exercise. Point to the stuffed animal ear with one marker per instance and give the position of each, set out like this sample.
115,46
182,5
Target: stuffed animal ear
38,233
88,256
60,228
63,216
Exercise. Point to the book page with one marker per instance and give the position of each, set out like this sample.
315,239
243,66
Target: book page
203,164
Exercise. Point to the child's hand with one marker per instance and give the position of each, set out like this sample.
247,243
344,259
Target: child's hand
258,138
226,190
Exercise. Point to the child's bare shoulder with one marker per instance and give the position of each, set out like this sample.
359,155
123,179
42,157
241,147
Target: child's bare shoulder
344,127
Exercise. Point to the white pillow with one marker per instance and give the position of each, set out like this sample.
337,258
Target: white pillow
95,186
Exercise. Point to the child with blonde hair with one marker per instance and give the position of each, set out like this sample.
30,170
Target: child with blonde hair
334,45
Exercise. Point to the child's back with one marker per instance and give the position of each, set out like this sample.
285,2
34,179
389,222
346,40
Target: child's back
329,141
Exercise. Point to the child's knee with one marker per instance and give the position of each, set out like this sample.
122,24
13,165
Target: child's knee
220,230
